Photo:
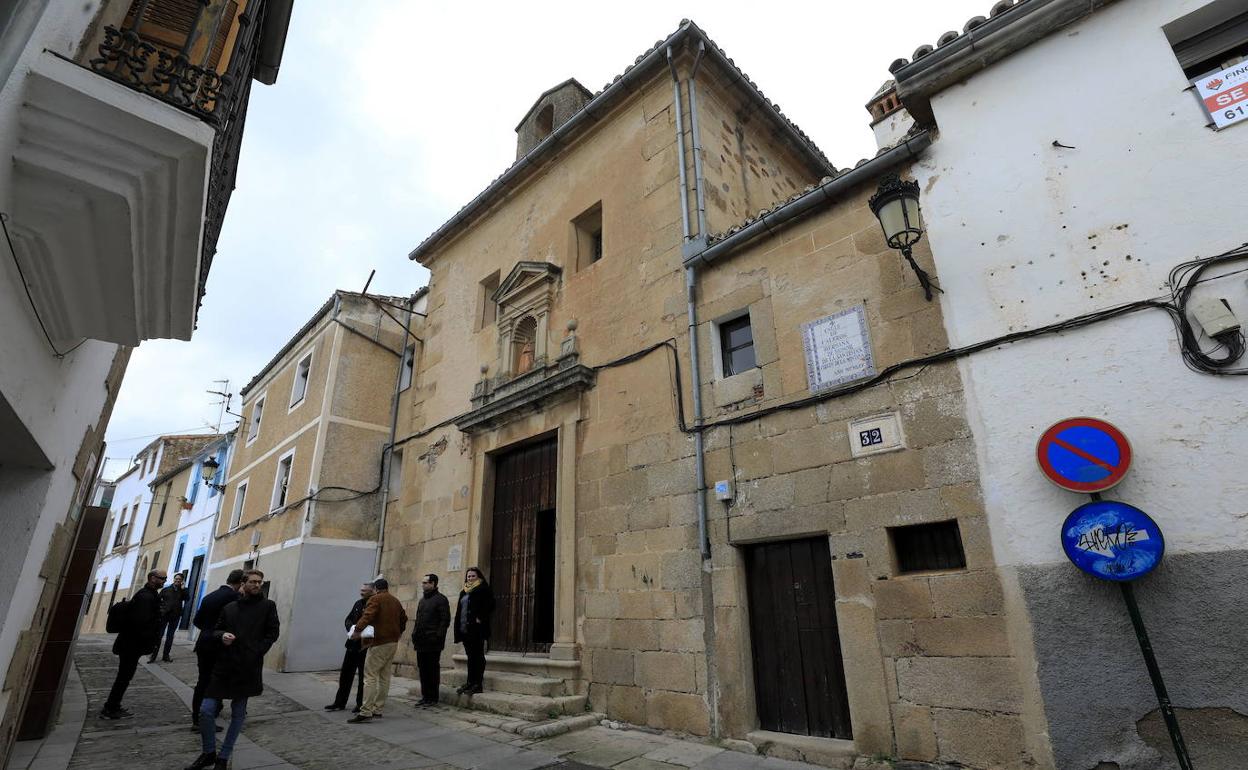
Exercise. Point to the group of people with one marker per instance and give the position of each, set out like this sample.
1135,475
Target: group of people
376,623
239,625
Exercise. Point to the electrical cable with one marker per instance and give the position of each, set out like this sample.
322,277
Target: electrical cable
1174,306
4,220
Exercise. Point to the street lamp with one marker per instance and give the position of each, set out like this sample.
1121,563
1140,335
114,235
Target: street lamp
208,473
896,205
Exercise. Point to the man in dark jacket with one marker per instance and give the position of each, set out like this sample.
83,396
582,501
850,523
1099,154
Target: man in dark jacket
172,600
246,630
353,659
206,646
433,617
140,634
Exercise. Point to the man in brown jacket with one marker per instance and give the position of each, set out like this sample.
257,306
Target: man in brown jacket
386,615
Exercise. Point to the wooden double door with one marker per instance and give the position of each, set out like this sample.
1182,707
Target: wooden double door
799,673
522,548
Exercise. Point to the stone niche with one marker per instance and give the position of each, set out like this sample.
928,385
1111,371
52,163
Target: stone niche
531,374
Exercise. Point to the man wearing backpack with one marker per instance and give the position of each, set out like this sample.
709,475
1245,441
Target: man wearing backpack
137,625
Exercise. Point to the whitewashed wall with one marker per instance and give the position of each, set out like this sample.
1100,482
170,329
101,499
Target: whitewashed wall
1025,234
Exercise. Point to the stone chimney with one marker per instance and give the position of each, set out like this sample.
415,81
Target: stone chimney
551,110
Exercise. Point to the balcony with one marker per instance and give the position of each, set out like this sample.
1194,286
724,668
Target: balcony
125,161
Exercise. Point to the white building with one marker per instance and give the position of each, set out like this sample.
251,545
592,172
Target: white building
113,189
119,573
1075,168
193,542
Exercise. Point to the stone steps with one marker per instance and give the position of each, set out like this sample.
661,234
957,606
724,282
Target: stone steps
535,708
504,681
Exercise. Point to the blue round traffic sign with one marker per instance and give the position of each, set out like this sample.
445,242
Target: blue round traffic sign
1112,540
1084,454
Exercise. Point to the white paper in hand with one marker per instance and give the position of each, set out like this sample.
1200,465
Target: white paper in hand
367,633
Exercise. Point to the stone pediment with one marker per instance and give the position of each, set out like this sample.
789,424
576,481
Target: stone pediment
522,278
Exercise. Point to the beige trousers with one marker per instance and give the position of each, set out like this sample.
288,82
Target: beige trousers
377,677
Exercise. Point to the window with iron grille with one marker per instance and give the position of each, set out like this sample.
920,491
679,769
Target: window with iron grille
736,340
922,547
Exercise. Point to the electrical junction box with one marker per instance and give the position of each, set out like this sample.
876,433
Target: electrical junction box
723,490
876,435
1215,316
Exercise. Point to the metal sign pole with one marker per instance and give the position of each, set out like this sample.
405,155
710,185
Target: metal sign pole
1154,673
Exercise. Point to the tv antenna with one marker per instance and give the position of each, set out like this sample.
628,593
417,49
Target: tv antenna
225,395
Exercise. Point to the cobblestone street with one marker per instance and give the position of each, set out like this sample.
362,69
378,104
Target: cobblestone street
288,728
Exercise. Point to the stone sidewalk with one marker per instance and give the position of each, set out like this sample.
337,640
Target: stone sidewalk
287,728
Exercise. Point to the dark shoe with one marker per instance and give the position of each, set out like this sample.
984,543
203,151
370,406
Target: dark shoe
221,764
463,688
167,659
474,689
202,762
115,713
358,718
335,707
355,710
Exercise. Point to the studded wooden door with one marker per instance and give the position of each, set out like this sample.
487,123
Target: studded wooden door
799,674
522,549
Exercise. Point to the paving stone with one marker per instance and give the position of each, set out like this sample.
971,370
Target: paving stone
683,753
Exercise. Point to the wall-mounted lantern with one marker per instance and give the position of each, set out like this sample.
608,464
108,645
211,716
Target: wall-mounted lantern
896,205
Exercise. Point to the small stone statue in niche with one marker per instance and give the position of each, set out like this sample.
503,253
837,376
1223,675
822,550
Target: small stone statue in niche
524,361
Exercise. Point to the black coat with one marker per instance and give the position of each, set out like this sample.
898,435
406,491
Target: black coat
480,608
238,671
207,615
433,616
171,600
141,633
357,610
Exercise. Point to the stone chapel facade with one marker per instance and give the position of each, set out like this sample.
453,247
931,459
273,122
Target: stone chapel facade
550,438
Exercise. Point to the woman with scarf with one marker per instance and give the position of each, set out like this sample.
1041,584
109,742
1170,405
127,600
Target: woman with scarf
472,626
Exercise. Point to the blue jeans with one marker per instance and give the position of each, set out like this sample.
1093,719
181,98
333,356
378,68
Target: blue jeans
208,725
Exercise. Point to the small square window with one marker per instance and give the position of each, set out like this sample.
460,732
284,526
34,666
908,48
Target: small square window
736,345
922,547
588,229
299,390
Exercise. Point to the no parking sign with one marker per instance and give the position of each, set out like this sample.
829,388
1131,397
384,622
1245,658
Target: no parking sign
1083,454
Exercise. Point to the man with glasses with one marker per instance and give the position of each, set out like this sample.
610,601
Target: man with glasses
139,635
246,629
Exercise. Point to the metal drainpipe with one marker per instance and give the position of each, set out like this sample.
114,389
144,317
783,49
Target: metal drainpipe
394,427
690,299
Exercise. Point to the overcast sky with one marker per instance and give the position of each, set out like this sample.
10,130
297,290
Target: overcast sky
388,115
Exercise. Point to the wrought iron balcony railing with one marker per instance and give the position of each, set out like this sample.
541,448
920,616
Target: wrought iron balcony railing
175,51
172,50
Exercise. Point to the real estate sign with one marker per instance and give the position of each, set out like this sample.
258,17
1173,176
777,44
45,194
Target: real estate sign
1225,94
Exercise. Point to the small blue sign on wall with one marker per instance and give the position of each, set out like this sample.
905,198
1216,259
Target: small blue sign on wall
1112,540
